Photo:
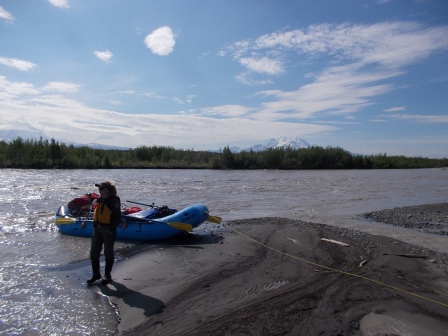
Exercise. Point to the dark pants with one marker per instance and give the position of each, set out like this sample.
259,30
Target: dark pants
102,235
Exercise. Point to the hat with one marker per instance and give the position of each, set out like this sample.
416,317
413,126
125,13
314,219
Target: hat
105,184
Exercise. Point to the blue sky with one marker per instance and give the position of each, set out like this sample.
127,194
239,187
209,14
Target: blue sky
368,76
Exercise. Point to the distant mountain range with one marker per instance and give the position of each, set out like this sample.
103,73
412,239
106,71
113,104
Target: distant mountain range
283,141
29,133
280,142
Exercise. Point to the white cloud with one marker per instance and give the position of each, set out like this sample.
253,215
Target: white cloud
152,95
388,44
402,44
337,91
365,59
149,94
61,87
5,15
229,111
52,102
65,119
395,109
60,3
178,100
51,112
424,119
12,90
263,65
340,122
246,79
188,99
161,41
104,55
18,64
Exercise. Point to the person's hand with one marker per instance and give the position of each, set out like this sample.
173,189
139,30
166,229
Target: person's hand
124,225
83,225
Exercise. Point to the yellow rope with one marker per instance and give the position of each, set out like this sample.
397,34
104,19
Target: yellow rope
400,277
339,271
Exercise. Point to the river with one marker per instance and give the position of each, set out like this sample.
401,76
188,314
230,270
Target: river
43,272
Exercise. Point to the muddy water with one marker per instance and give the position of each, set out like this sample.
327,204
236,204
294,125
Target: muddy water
43,272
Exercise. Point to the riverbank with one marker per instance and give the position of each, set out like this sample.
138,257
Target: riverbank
430,218
269,276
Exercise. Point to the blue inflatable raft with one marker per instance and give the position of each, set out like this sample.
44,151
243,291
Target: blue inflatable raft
144,225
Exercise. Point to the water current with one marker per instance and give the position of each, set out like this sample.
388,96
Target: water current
43,273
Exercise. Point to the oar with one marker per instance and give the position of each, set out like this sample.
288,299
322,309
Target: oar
65,220
180,226
150,205
214,219
177,225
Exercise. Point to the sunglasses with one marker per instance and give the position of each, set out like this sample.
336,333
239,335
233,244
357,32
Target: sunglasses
101,188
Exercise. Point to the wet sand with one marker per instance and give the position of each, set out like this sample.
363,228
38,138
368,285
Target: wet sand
276,276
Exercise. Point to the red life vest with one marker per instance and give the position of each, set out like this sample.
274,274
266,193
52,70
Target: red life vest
81,204
132,210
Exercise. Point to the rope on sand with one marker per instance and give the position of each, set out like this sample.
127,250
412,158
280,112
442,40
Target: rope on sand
340,271
400,277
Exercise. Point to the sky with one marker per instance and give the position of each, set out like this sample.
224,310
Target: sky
370,76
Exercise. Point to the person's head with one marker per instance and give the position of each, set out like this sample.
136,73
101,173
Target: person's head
106,189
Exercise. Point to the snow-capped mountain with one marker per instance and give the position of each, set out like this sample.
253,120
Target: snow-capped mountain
99,146
283,141
21,129
293,142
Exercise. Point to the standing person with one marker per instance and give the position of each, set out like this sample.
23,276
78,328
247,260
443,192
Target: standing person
106,217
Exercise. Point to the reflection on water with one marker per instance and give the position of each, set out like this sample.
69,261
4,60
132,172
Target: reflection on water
42,273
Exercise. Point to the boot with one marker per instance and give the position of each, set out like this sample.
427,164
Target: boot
96,273
107,269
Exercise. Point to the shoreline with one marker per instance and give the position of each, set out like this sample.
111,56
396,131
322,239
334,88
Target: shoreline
272,275
428,218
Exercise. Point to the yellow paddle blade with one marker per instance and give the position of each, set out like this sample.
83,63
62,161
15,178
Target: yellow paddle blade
181,226
64,220
214,219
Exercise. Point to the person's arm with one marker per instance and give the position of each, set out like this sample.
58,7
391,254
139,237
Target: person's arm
115,217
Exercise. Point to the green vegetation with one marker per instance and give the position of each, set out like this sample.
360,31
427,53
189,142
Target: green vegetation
45,154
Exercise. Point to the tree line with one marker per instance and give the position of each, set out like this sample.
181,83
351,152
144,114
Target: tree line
50,154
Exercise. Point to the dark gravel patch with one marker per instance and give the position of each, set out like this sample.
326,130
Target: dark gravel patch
427,218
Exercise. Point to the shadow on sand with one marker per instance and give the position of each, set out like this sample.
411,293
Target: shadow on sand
133,298
189,240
